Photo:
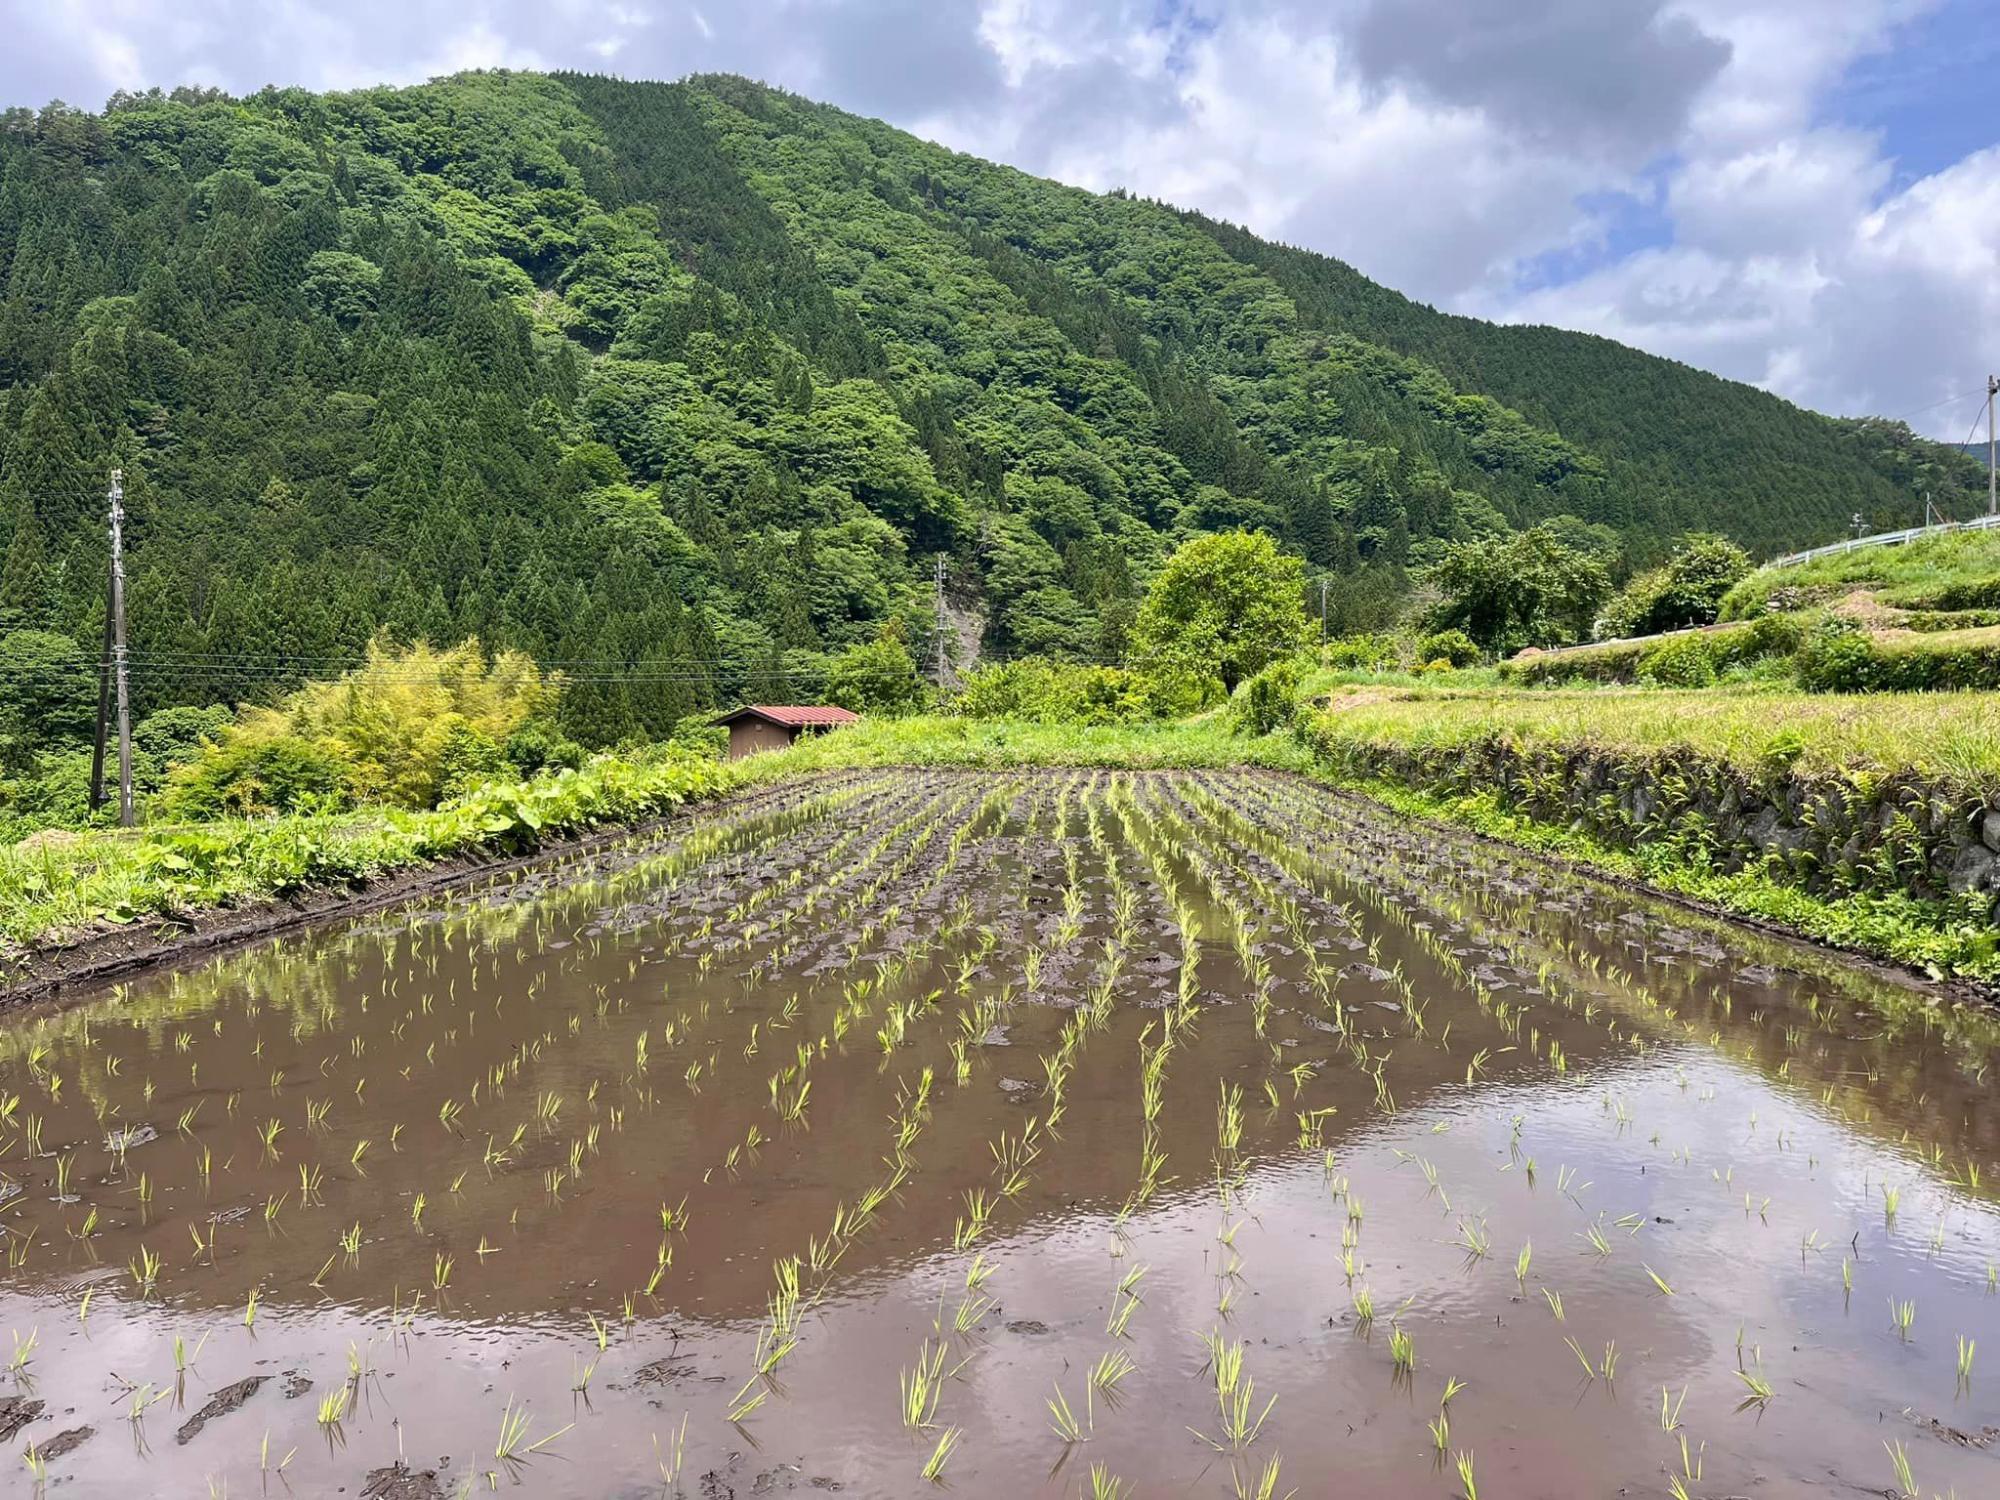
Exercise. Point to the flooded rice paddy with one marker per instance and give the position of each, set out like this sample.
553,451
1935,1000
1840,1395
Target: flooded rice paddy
1057,1132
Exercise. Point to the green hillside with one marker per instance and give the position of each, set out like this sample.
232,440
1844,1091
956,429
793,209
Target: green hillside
680,388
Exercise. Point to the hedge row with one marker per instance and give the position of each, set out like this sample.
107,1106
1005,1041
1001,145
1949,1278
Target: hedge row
1835,660
1694,658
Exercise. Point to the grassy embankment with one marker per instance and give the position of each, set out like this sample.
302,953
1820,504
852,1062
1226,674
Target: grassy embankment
1951,571
1505,762
1920,617
1842,818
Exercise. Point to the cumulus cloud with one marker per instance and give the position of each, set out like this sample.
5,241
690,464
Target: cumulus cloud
1576,74
1472,154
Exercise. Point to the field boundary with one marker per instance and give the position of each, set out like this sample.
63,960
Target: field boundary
60,971
57,975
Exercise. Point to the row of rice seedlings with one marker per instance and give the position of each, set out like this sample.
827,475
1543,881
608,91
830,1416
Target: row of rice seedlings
1474,1240
146,1268
1760,1391
801,1282
1014,1154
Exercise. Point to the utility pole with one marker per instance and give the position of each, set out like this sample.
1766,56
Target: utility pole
117,622
1992,468
103,703
1324,580
942,624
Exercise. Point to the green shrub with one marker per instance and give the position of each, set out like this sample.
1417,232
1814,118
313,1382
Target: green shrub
1835,658
700,737
1609,663
1932,664
1774,635
1682,661
540,746
255,777
1453,646
172,735
467,758
1362,652
1688,590
1043,691
876,678
1841,657
1691,659
1269,701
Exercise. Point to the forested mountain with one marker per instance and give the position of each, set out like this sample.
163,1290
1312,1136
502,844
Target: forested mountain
682,387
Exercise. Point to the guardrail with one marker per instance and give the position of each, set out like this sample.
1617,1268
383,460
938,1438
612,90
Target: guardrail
1883,539
1852,544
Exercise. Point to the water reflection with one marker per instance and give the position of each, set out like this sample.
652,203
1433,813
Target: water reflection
536,1149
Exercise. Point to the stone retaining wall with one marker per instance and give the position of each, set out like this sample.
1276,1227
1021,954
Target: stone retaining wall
1830,834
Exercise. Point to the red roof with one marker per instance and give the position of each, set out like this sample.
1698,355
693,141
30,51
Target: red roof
793,716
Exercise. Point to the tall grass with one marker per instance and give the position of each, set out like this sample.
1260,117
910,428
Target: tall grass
1951,735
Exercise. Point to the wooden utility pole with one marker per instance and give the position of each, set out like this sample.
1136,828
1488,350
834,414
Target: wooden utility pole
117,623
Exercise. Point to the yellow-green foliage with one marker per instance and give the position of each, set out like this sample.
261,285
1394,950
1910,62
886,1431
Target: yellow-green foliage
1039,690
400,726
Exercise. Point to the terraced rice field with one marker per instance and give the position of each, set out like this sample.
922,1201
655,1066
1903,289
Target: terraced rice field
1046,1133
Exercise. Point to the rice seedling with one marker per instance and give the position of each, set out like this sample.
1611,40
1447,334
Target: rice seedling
1670,1409
1402,1351
1112,1366
947,1442
1759,1388
1589,1369
333,1406
1906,1483
1064,1420
1902,1315
921,1388
1263,1485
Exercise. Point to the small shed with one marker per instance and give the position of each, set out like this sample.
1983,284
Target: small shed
767,726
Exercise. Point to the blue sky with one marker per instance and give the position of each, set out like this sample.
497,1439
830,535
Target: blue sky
1932,93
1804,194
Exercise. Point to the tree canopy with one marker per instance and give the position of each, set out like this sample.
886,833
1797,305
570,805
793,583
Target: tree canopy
685,388
1225,606
1534,589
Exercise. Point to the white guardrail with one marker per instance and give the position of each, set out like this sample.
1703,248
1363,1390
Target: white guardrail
1882,539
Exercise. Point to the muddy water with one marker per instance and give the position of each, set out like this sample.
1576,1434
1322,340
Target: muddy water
685,1158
